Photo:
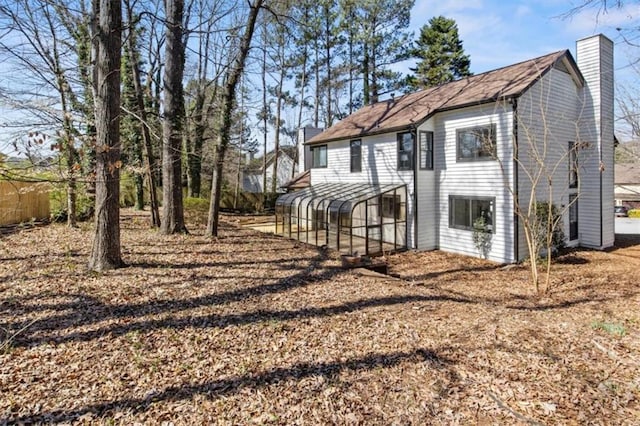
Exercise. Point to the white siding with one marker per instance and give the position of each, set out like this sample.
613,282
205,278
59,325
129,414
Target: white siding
488,178
595,59
253,182
379,165
427,198
548,116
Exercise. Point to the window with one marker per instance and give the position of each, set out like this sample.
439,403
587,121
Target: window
573,217
356,156
426,150
319,156
573,165
476,143
464,211
405,151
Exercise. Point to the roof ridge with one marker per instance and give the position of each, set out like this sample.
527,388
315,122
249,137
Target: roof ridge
537,58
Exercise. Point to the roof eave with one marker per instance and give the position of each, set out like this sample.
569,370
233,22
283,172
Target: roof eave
362,135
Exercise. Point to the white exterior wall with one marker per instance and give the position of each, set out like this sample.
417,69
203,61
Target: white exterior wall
548,116
379,165
427,205
596,219
475,178
253,182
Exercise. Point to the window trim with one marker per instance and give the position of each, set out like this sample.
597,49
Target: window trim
355,143
428,149
471,198
315,148
412,154
493,135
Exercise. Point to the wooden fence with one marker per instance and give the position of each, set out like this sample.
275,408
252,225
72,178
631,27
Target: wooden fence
23,202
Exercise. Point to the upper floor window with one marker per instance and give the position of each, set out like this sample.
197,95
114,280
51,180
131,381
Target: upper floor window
573,165
405,151
356,156
426,150
476,143
319,156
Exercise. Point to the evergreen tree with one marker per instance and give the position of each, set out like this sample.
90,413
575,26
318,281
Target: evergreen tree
441,54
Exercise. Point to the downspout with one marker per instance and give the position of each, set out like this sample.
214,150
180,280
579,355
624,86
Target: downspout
416,164
516,182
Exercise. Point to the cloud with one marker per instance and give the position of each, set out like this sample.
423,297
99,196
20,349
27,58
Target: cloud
522,10
592,20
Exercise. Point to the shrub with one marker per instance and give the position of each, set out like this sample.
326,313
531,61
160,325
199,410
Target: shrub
634,213
58,200
542,226
196,205
482,237
127,189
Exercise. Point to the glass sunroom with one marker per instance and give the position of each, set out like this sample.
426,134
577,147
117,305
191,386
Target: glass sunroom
355,219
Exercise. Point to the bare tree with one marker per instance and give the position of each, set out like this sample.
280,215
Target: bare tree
542,175
107,36
40,47
235,72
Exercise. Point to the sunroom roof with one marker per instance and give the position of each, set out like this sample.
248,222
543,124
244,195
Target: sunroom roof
352,192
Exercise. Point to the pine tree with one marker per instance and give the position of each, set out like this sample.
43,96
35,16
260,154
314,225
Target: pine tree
441,54
382,36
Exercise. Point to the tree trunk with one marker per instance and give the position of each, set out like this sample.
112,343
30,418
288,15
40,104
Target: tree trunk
327,32
148,157
316,106
105,253
276,139
172,207
236,69
366,94
265,119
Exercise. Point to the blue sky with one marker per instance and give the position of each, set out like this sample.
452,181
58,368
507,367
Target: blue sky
496,33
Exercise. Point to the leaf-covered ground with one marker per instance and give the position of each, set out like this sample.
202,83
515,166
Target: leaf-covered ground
251,328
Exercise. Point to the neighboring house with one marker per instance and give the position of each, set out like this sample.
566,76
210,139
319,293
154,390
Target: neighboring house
417,171
627,185
252,175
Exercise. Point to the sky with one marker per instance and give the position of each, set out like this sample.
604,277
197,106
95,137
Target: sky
497,33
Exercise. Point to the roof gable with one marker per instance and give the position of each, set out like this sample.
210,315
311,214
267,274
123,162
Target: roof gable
284,152
412,109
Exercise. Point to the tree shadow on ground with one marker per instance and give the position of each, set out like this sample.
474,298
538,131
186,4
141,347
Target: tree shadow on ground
224,387
45,331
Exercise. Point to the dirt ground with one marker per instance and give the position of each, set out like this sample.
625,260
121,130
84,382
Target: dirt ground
252,328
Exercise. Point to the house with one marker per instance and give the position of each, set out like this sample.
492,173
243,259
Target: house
253,175
417,171
627,185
